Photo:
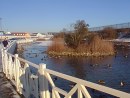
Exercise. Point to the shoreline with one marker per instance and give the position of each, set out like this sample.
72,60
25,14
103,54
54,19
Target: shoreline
97,54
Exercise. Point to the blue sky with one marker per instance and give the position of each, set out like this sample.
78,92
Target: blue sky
54,15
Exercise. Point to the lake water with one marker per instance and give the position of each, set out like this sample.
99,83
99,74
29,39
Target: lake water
111,69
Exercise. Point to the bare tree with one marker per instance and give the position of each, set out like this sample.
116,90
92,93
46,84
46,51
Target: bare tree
80,31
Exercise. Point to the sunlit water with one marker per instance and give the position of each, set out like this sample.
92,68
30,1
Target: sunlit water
111,69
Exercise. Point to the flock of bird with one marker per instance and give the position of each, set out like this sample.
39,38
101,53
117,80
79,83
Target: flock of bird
122,83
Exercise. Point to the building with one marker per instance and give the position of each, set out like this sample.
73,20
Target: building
37,35
21,34
4,35
7,32
1,33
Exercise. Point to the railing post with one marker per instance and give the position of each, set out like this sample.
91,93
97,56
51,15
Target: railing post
43,82
27,80
10,67
16,72
5,63
2,56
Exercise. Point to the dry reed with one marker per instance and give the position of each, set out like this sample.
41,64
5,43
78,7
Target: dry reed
97,47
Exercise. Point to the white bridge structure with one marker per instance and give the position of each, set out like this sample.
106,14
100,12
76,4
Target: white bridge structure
41,84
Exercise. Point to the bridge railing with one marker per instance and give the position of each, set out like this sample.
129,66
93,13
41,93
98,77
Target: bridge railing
115,26
37,85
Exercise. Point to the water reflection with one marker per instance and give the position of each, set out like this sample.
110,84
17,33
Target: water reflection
78,65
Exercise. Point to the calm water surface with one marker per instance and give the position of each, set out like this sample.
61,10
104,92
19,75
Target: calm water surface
87,68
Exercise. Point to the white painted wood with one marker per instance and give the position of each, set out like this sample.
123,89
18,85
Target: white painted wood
16,72
23,80
80,93
23,60
56,93
43,82
7,66
2,57
21,84
60,90
50,79
27,80
52,84
5,62
13,71
72,91
19,74
95,86
85,92
10,67
53,93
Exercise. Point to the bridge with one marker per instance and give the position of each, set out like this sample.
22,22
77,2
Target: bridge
123,27
41,84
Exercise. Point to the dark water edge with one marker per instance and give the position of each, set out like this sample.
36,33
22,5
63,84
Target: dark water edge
111,69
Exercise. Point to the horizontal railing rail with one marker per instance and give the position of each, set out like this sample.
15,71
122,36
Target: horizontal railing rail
23,60
98,87
37,85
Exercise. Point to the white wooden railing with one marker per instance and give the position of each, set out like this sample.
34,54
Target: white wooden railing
37,85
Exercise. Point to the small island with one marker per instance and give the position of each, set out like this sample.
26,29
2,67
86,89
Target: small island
81,42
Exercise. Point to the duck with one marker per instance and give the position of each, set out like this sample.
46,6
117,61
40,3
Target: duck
101,81
109,65
36,55
92,65
122,83
126,56
55,78
96,64
72,84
